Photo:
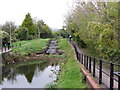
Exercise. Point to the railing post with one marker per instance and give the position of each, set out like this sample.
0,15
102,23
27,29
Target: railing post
82,59
100,72
118,82
94,67
89,64
78,56
86,62
111,75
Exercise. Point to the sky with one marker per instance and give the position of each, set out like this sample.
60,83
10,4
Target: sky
52,12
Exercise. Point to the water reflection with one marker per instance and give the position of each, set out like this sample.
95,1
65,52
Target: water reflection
29,76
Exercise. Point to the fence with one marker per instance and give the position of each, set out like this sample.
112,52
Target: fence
110,77
8,47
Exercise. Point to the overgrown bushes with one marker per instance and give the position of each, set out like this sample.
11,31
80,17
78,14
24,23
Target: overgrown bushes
96,24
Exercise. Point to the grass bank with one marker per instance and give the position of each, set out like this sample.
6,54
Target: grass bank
31,47
19,43
71,75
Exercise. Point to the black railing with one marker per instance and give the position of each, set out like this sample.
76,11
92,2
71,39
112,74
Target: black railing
8,47
96,66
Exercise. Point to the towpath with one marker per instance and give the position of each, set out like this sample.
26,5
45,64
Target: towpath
105,78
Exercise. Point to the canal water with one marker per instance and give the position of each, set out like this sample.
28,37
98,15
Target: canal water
29,76
52,49
35,75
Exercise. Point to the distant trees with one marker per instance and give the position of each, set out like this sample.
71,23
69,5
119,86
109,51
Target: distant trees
31,29
9,25
61,33
7,29
43,30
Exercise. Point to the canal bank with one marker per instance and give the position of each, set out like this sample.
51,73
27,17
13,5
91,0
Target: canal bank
61,69
70,75
37,72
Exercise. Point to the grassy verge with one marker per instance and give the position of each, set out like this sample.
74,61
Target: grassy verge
16,44
32,47
71,75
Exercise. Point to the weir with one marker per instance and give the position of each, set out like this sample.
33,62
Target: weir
52,48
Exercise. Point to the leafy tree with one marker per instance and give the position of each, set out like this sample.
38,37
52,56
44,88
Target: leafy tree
64,33
45,32
28,23
97,25
5,37
43,29
21,33
9,25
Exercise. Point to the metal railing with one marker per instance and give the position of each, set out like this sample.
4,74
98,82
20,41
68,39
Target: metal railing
96,67
8,47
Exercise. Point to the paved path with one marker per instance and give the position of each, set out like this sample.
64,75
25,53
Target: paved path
5,50
105,78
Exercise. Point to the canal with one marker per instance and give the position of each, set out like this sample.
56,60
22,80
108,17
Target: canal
33,74
36,75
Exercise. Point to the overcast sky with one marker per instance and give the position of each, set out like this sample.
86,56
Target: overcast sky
52,12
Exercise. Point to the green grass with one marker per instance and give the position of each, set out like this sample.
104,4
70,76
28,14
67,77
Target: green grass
32,47
71,75
16,44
